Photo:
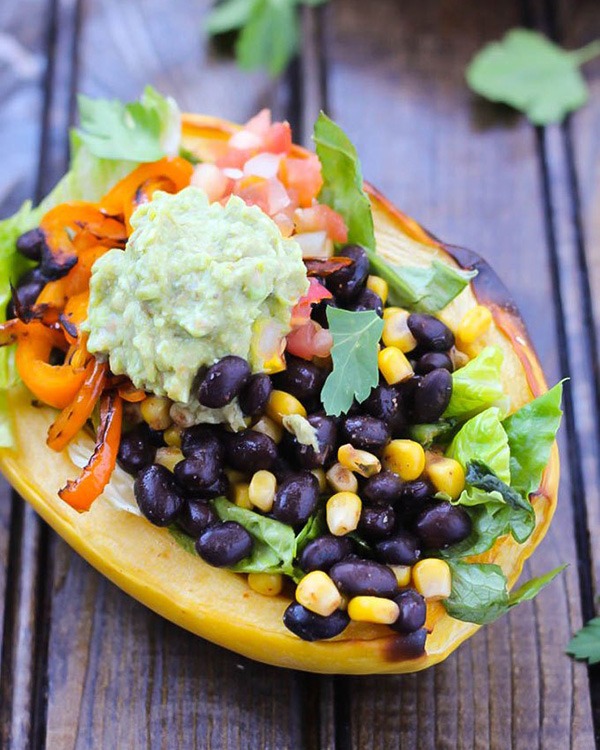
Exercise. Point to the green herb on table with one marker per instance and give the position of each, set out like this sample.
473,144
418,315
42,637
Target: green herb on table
585,644
355,372
532,74
269,30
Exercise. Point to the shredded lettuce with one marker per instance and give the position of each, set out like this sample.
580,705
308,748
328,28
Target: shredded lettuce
531,432
477,385
483,439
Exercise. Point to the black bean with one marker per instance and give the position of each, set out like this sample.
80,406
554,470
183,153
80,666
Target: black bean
432,396
301,378
156,438
442,524
433,361
401,549
281,468
56,265
216,489
367,433
347,283
368,300
385,402
430,333
296,498
304,455
325,551
382,489
413,611
196,516
408,645
136,450
224,544
255,394
319,311
414,496
31,243
376,523
28,290
199,471
356,577
202,439
157,495
250,451
313,627
223,381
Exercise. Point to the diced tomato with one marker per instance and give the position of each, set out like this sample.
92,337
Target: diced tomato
285,223
321,217
211,179
235,158
254,191
278,140
260,123
304,176
309,340
316,292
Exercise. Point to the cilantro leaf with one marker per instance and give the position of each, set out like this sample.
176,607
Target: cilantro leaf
355,372
585,644
141,131
479,592
532,74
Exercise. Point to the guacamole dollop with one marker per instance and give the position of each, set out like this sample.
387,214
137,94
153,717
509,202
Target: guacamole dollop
197,281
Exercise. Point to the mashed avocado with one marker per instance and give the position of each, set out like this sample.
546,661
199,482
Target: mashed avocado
197,281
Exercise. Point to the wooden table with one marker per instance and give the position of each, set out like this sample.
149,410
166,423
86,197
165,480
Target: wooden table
84,666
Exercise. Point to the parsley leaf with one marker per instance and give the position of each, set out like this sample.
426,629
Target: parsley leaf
532,74
141,131
269,30
355,372
479,593
585,644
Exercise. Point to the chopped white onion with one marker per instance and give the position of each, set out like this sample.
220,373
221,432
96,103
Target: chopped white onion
263,165
315,244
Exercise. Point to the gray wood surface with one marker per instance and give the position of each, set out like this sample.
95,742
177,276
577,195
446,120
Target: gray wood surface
85,666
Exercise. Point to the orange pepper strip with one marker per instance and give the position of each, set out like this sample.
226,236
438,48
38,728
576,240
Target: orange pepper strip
128,392
12,331
73,418
81,493
168,174
55,385
61,225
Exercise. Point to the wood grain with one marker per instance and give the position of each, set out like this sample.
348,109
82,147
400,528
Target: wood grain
472,175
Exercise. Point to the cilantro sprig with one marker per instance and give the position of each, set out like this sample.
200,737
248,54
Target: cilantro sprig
269,30
585,644
532,74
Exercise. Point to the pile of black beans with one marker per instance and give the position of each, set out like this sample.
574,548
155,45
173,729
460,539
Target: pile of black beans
401,522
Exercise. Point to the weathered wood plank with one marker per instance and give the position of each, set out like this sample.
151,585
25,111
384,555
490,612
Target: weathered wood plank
473,178
118,675
22,45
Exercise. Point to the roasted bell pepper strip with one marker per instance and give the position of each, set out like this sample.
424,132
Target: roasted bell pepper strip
57,294
81,492
326,266
73,418
130,393
168,174
11,331
55,385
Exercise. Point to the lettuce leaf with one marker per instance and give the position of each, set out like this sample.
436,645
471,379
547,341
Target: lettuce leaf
477,385
483,439
531,432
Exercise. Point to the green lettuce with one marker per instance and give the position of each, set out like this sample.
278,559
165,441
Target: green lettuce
531,432
484,439
477,385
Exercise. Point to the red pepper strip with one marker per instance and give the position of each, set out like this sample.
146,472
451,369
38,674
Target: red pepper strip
81,492
326,266
72,419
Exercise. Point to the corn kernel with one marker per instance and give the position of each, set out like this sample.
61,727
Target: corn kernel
234,476
402,573
261,490
172,436
156,412
393,365
446,474
320,475
362,462
267,584
343,513
317,592
379,286
397,333
373,609
341,479
405,458
282,404
473,324
389,311
432,578
169,457
270,428
240,495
